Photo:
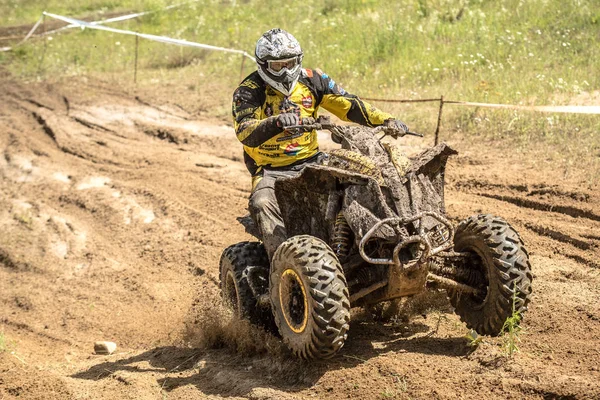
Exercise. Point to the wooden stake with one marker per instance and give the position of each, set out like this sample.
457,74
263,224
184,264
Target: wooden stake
439,121
242,68
39,69
137,40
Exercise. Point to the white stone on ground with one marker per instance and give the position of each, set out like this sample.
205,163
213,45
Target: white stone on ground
105,347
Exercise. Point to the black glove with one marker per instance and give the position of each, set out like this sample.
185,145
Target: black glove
395,127
287,119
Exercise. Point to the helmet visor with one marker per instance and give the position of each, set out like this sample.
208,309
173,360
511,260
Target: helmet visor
278,67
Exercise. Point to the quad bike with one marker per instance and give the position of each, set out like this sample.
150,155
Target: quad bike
369,225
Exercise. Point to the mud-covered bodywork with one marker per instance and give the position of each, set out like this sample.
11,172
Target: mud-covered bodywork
381,204
309,202
368,224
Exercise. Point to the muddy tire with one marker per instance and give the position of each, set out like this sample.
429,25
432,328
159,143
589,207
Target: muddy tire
502,259
237,262
309,297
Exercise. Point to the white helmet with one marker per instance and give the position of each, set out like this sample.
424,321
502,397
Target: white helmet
279,59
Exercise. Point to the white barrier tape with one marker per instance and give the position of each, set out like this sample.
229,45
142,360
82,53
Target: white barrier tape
550,109
121,18
105,21
37,24
155,38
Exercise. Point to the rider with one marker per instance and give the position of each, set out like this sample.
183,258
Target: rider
278,95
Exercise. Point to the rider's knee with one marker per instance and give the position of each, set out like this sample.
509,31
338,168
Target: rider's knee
261,200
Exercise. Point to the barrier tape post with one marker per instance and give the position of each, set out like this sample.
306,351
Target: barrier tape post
439,121
26,38
137,40
242,68
39,69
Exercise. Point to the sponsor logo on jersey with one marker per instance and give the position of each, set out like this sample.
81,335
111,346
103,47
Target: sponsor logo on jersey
292,149
307,101
269,147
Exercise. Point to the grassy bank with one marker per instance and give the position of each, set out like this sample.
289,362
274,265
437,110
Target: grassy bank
496,51
513,51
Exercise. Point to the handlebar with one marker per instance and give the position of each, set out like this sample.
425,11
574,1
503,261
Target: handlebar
325,123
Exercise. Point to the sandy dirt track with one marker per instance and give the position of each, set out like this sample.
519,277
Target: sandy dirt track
114,210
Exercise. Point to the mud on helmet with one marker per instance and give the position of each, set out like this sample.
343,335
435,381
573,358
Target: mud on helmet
279,59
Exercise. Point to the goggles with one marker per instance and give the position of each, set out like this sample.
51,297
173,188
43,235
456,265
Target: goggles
278,67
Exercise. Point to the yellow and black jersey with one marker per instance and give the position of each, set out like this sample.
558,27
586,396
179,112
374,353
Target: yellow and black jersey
256,105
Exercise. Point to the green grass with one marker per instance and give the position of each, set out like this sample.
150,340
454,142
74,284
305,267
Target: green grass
399,388
24,219
6,346
478,50
513,51
3,345
473,338
511,329
17,12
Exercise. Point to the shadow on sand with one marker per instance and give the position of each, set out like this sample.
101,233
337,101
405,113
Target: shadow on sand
221,372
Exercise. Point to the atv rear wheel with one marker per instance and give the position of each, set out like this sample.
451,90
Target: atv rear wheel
501,257
309,297
238,264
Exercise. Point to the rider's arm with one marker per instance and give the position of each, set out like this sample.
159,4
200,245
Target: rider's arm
346,106
249,129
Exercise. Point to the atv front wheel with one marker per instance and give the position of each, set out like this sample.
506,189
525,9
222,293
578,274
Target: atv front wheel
241,265
505,287
309,297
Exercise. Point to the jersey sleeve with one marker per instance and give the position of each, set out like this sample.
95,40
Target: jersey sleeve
249,128
346,106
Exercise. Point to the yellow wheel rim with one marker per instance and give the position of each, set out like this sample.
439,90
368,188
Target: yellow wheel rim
295,309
